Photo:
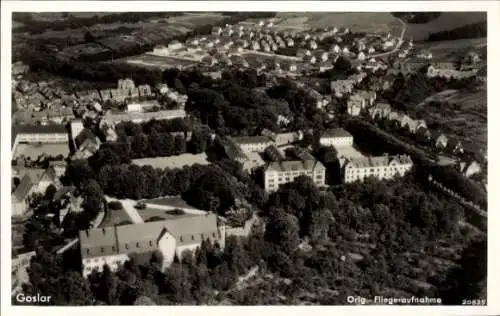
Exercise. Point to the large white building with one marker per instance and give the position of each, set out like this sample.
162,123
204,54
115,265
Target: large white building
277,173
114,245
253,143
383,167
53,133
336,137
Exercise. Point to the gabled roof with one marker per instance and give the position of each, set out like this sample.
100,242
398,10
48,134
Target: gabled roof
338,132
125,239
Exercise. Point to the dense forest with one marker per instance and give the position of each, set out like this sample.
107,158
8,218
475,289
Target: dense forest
475,30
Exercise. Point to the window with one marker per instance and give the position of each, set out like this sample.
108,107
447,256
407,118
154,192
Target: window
113,248
151,243
88,251
180,238
138,245
102,249
126,246
192,237
213,235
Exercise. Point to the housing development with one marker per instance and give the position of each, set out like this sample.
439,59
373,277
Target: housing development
248,158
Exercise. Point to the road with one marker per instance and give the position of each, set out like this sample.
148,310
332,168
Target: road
398,45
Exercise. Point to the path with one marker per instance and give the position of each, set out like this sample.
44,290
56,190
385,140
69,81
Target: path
171,208
128,207
398,45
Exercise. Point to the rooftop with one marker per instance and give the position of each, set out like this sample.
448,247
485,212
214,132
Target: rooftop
295,165
379,161
251,139
338,132
143,237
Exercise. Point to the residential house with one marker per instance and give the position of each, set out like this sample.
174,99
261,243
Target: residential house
252,143
51,133
59,167
354,106
290,42
361,56
469,168
454,146
380,110
439,139
341,87
31,181
113,246
368,96
382,167
287,138
337,137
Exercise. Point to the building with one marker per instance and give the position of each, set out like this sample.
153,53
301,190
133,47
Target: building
341,87
277,173
380,110
30,181
469,168
19,272
383,167
336,137
138,117
52,133
134,107
114,245
252,143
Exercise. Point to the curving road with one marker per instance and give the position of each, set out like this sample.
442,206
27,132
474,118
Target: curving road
398,45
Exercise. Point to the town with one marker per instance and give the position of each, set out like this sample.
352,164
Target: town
243,150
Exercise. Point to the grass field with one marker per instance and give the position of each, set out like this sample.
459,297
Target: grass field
173,161
160,62
115,217
446,21
355,21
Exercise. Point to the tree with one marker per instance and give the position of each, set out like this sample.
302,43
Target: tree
283,230
88,37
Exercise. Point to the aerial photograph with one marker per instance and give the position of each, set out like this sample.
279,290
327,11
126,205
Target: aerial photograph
248,158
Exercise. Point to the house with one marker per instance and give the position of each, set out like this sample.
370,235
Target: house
321,56
19,271
290,42
277,173
252,143
440,140
288,66
31,181
368,96
346,51
454,146
469,168
113,246
380,110
382,167
336,137
335,49
313,45
255,45
361,56
287,138
341,87
59,167
309,59
324,66
134,107
354,107
425,54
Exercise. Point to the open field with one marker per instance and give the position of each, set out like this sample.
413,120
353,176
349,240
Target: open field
450,49
355,21
173,161
466,119
160,62
35,150
445,22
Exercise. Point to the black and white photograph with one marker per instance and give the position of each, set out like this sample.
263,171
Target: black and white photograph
246,158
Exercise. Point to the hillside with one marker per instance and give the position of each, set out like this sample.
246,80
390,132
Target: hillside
445,22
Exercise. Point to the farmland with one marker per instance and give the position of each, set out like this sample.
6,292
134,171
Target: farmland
446,21
356,22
